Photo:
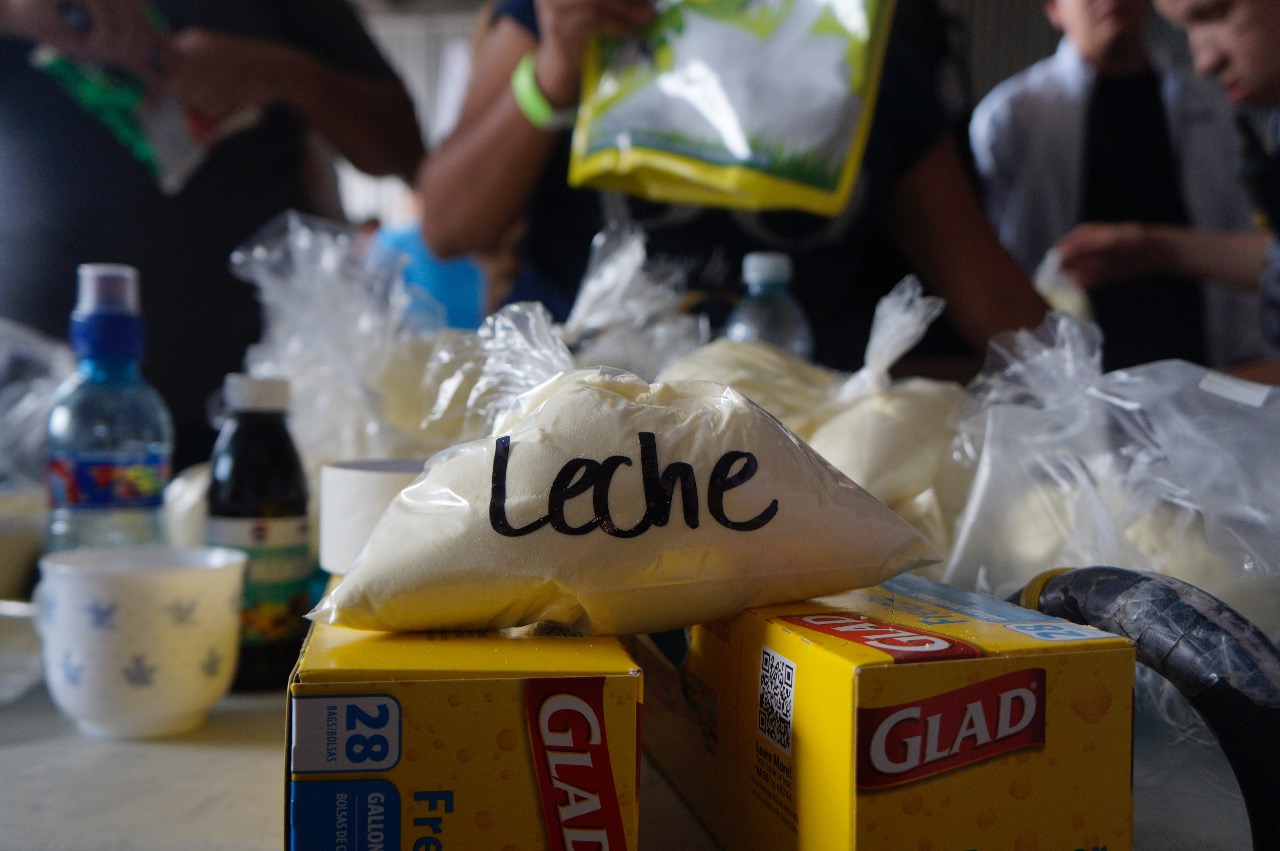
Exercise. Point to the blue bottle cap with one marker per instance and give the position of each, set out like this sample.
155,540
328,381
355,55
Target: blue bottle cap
106,322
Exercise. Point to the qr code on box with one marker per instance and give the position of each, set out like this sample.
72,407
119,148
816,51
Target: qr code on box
777,686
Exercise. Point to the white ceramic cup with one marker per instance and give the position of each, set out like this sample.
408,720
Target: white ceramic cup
139,642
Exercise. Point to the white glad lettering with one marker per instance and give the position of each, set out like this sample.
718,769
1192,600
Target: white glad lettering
578,801
1027,698
562,737
974,725
880,636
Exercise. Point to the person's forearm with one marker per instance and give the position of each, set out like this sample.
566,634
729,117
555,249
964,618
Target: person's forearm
476,185
369,120
986,291
8,25
941,229
24,18
1232,259
1266,371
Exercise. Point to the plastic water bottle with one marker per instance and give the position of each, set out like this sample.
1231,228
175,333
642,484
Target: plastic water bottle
110,436
258,503
768,312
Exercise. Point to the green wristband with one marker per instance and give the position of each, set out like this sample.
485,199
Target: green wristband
533,103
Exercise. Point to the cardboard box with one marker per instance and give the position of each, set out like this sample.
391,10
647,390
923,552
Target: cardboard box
908,717
437,742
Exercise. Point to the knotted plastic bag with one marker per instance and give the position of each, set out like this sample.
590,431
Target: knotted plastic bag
895,437
1163,466
611,505
629,310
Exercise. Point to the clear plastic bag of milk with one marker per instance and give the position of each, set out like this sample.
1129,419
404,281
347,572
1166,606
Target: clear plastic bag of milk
1166,467
610,505
31,368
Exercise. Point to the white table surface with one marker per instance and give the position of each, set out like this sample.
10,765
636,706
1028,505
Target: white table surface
220,788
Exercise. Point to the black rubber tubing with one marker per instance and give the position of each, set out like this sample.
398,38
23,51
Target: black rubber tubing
1225,667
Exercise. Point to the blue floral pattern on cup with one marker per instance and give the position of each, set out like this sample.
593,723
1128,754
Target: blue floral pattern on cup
102,615
211,665
139,673
182,612
136,641
72,671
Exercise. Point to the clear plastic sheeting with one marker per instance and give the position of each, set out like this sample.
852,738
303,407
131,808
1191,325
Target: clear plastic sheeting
32,367
1059,289
611,505
628,312
375,372
337,324
1165,467
1186,797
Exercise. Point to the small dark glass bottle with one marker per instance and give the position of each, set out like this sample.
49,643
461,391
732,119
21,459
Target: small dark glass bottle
258,503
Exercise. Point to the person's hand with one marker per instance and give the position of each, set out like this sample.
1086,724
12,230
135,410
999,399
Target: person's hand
567,27
220,75
112,32
1094,254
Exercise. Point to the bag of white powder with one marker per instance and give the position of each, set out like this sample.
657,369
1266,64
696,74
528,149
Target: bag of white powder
752,105
615,506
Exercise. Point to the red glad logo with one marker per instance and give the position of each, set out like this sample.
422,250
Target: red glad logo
910,741
899,642
571,756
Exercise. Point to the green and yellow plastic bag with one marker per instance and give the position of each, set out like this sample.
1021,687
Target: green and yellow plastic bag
170,140
759,104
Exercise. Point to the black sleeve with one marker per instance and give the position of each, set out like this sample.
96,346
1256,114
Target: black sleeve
908,119
522,11
332,31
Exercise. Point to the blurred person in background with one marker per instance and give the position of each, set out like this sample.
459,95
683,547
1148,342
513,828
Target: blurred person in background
1108,130
497,168
1236,42
71,193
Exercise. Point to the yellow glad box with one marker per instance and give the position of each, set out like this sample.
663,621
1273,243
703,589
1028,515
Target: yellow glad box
908,717
445,742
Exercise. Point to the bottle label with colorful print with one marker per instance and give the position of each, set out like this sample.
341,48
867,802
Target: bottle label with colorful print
276,594
106,479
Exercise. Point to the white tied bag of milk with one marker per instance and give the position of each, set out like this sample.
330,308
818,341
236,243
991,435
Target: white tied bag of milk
611,505
894,437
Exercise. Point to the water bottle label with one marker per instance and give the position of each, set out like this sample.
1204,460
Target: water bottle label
279,563
106,480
